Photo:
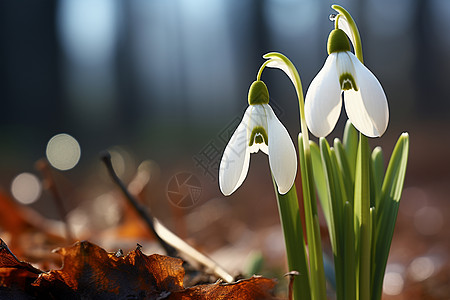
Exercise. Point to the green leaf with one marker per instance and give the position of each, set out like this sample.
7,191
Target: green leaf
331,193
350,142
386,212
377,174
347,177
320,181
349,254
295,243
362,216
334,189
318,286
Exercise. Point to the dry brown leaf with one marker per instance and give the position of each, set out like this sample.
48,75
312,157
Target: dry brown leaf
246,289
15,275
90,272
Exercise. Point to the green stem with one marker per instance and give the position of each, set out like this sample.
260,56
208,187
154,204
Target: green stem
362,183
355,32
362,216
295,78
295,245
318,286
258,76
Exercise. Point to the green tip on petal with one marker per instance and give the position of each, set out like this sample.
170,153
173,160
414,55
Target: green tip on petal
258,135
258,93
338,41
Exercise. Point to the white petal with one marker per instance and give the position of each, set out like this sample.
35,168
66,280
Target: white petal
367,108
323,99
282,155
345,64
236,159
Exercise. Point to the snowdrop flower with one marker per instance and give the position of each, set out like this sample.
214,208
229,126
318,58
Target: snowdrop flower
364,98
261,130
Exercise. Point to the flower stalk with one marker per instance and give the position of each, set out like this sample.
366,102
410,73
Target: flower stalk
317,274
362,183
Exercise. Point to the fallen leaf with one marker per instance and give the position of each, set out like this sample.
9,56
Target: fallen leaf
89,271
246,289
9,260
15,275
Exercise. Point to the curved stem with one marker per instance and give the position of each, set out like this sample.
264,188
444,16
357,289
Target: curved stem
352,25
258,77
278,60
336,21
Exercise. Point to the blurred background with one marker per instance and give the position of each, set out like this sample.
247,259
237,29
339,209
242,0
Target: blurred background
166,82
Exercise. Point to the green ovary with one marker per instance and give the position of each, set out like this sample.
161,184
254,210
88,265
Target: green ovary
258,93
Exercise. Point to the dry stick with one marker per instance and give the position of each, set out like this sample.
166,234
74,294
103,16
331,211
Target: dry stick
135,187
162,233
44,167
106,158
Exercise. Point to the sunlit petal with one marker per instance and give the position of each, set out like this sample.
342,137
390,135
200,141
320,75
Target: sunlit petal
235,160
323,99
367,108
282,155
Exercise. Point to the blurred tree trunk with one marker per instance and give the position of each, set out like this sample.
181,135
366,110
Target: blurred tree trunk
29,64
429,82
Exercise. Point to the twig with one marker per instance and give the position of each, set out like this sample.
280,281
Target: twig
145,215
44,167
193,253
163,234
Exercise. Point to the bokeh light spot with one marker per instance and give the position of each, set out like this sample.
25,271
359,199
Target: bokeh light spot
421,268
63,152
393,283
429,220
26,188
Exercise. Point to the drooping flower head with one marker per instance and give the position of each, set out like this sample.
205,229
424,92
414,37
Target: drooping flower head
344,75
259,129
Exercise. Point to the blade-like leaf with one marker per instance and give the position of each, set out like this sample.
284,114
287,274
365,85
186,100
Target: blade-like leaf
295,243
321,181
362,219
331,193
350,142
318,286
386,213
377,174
334,200
349,253
347,176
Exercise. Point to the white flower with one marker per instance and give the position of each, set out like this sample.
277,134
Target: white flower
365,102
259,129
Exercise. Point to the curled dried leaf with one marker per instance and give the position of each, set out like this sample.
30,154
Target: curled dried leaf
15,276
89,270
